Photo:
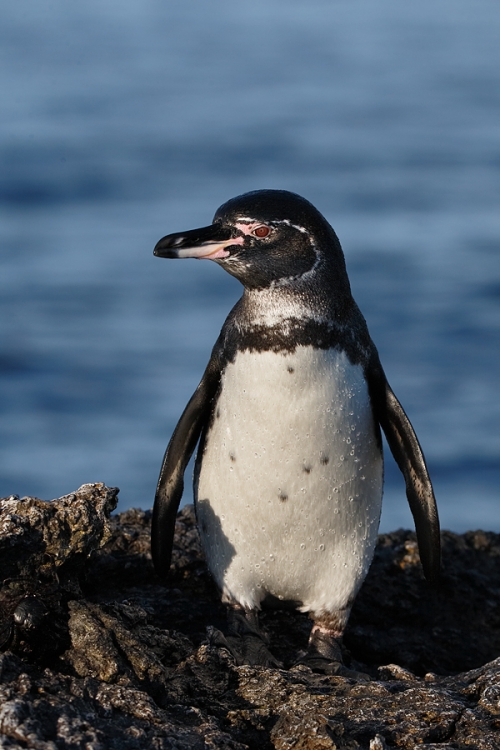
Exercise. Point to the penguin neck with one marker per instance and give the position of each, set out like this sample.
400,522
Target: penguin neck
271,306
279,320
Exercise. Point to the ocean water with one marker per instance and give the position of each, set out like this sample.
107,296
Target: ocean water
122,122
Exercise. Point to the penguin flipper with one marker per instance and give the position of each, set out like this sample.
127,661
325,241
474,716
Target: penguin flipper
179,450
408,455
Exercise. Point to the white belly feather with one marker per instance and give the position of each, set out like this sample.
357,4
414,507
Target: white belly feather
290,486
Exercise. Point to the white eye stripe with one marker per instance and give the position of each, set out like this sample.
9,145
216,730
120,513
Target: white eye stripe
289,224
243,223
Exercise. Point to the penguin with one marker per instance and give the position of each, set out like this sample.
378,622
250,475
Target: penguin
288,477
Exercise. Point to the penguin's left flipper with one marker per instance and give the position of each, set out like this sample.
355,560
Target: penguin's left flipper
179,450
408,455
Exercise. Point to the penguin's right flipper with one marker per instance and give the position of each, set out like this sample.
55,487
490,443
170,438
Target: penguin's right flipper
171,481
408,454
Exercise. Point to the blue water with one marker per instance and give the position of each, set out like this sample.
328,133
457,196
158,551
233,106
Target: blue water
123,121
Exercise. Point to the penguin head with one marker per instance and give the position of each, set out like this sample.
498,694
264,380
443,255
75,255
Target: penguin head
265,238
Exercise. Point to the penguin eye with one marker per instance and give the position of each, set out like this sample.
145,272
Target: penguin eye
261,231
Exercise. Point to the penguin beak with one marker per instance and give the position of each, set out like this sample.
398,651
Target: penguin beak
208,242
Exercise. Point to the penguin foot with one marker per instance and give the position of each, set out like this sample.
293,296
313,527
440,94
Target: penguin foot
256,653
247,636
324,655
217,640
246,642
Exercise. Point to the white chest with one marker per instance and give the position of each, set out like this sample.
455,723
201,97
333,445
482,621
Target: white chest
290,485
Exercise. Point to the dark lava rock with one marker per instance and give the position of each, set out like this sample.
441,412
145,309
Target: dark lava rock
97,653
44,549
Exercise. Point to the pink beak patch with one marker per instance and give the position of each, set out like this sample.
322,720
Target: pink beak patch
209,250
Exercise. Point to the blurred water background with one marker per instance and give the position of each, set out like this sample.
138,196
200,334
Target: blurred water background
123,121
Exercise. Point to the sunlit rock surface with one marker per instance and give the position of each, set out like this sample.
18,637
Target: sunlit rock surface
96,653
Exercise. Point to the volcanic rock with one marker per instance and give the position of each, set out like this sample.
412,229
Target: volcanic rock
98,653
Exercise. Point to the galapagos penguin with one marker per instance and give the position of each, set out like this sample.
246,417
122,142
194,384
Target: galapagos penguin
289,472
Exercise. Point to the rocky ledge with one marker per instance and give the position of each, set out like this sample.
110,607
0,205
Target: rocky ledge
97,653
